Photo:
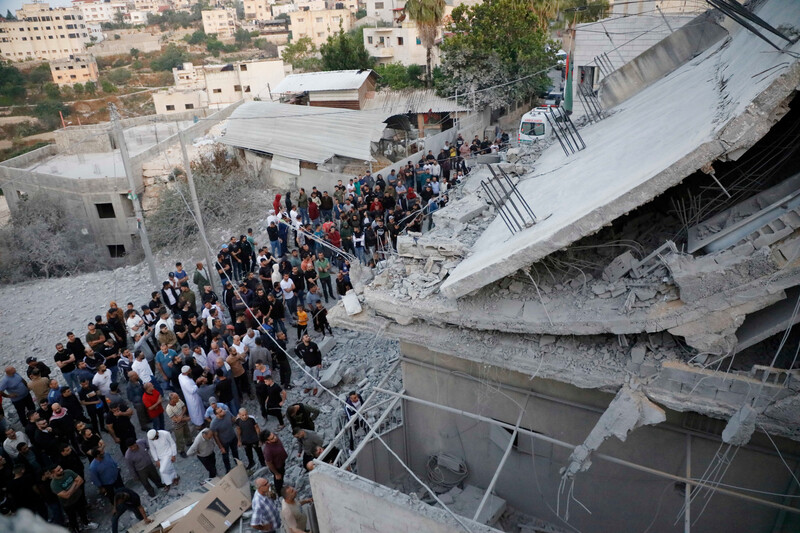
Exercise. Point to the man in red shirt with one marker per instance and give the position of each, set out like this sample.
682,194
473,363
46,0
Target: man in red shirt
152,402
275,456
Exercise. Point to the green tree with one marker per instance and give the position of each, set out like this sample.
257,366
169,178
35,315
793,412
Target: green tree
40,75
12,83
135,53
302,55
428,15
197,37
345,51
90,88
398,76
214,46
119,18
10,15
108,87
52,91
496,53
78,88
172,57
119,76
242,36
48,113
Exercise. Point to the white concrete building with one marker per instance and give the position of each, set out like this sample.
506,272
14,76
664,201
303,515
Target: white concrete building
385,10
217,86
220,22
42,32
257,10
398,44
97,11
320,24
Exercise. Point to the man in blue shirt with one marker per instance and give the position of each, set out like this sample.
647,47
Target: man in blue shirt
15,388
104,473
164,364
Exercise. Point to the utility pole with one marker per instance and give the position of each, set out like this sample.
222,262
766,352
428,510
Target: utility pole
119,135
198,216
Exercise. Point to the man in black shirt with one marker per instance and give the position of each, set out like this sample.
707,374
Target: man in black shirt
126,499
118,424
342,284
110,353
67,361
235,250
275,396
312,358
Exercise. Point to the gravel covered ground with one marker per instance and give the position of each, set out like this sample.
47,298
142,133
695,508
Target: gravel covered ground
35,316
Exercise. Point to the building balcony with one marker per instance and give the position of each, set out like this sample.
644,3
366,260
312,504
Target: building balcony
382,51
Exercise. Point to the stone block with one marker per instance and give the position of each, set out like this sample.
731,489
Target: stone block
326,345
638,352
620,266
330,376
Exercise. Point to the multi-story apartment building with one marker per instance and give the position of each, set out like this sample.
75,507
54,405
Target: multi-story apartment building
217,86
97,11
257,10
221,22
42,32
385,10
398,44
319,25
78,68
150,6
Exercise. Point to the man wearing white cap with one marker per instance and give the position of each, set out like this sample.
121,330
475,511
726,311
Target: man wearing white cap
194,404
164,452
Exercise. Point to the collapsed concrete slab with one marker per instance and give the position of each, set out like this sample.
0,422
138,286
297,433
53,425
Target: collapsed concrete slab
629,409
703,121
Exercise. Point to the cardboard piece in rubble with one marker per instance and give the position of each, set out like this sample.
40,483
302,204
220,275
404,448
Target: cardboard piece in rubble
217,509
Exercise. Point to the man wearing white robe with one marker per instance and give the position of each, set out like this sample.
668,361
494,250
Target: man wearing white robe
194,404
164,452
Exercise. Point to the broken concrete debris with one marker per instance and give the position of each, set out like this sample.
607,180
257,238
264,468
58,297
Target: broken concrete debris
628,410
740,426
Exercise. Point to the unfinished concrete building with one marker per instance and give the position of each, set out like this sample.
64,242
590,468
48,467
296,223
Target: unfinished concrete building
84,171
600,338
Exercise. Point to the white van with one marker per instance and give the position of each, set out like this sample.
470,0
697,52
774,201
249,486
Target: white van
534,125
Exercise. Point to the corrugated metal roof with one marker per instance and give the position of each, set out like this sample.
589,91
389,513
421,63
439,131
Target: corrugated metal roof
410,101
306,133
336,80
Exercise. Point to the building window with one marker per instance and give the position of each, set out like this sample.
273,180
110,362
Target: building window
217,91
419,41
378,5
399,41
105,210
116,250
170,108
243,68
369,39
237,88
319,20
189,106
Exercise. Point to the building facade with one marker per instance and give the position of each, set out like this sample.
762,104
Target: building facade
385,10
220,22
217,86
99,12
78,68
398,44
320,24
257,10
42,32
